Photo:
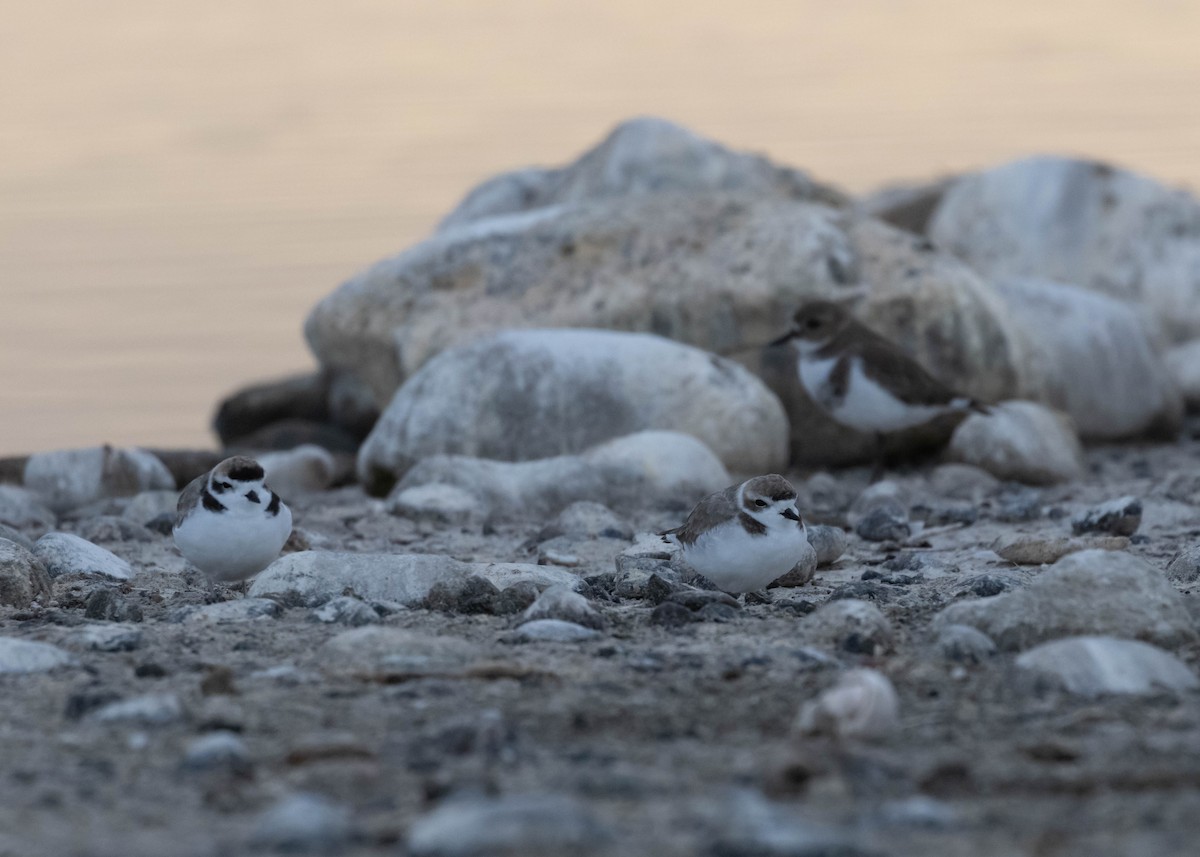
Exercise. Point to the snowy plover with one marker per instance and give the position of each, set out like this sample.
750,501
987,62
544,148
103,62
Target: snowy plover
862,380
746,536
229,524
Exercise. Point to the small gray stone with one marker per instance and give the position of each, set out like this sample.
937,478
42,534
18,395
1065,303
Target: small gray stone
561,602
1094,666
585,518
23,510
63,553
302,469
1023,441
302,823
70,478
27,656
469,595
106,638
963,482
145,506
448,505
152,709
964,644
851,625
23,578
384,654
1120,517
746,824
224,612
671,615
105,603
110,528
16,536
883,525
829,543
1185,565
508,826
1025,549
555,631
346,610
218,751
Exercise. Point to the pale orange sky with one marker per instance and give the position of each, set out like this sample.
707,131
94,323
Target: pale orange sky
180,182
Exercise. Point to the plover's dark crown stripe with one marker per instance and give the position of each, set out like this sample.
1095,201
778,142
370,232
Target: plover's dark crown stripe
210,502
246,472
273,506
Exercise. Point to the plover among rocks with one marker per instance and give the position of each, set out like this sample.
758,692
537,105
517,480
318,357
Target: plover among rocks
229,524
746,536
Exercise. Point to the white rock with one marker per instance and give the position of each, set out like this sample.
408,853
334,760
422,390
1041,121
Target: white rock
587,518
384,654
152,709
63,553
507,826
563,602
237,610
148,505
519,395
1183,363
300,470
828,542
23,578
964,643
27,656
1073,221
1091,357
69,478
1094,666
22,509
438,502
861,706
555,631
1092,592
311,578
1022,441
644,470
217,750
302,823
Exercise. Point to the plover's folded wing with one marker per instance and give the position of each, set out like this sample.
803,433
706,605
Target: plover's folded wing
904,377
712,510
189,497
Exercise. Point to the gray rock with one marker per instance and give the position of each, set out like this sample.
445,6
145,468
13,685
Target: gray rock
1091,357
24,510
883,525
586,518
106,638
963,482
803,571
111,528
1183,364
385,654
644,155
828,542
1185,565
964,644
562,602
106,604
152,709
311,578
862,706
521,395
448,505
346,610
1022,441
304,823
16,537
251,609
23,578
850,624
644,470
746,824
555,631
1120,517
1095,666
218,751
352,405
472,594
1025,549
69,478
299,397
1087,593
1081,222
302,469
63,553
27,656
148,505
508,826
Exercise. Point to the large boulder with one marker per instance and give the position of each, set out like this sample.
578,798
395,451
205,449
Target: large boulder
532,394
1091,357
1020,441
641,156
68,478
1081,222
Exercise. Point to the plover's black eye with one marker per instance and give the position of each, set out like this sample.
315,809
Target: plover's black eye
813,323
760,503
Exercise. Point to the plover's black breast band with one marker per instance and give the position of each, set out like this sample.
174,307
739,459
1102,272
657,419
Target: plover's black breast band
273,506
210,502
752,526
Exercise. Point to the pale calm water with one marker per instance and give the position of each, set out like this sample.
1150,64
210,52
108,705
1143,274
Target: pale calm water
181,181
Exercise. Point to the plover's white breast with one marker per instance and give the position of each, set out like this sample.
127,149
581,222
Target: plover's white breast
814,375
738,561
234,544
870,407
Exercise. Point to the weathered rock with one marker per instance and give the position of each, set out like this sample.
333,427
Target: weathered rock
802,572
963,482
301,397
303,823
24,510
1087,593
470,595
63,553
519,395
16,537
745,824
586,518
27,656
1183,364
1120,517
563,602
23,578
383,654
883,525
218,751
111,528
861,706
508,826
644,470
1185,565
852,625
1039,550
69,478
906,206
311,578
1081,222
1022,441
1094,666
964,644
555,631
106,604
352,405
299,470
152,709
288,434
346,610
1091,357
448,505
828,542
225,612
106,638
148,505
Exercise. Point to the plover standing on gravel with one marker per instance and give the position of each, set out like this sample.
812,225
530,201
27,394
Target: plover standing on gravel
746,536
229,524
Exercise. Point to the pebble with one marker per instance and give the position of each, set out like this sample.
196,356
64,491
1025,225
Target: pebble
304,823
850,625
508,826
346,610
446,505
469,595
1041,550
145,506
300,470
109,605
110,528
152,709
23,578
1120,517
587,519
964,644
671,615
220,750
69,478
106,638
224,612
562,602
829,543
883,525
862,705
1185,565
963,482
27,656
1019,505
555,631
63,553
919,811
23,510
15,536
1087,593
746,824
385,654
1096,666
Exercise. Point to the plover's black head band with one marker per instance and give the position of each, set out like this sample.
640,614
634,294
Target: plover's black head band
273,506
248,470
210,502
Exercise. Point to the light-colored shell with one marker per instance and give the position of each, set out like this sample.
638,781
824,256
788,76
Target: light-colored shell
861,706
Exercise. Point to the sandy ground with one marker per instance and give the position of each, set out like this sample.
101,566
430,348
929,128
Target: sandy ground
655,729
